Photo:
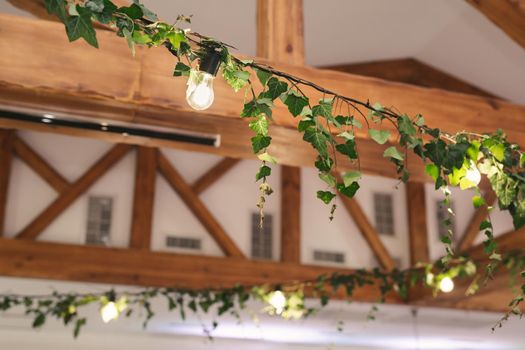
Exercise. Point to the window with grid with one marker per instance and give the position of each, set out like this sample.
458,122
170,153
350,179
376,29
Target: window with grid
99,220
383,212
334,257
442,215
183,242
262,237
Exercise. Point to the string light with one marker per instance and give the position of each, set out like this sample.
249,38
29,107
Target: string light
278,301
446,285
199,93
109,312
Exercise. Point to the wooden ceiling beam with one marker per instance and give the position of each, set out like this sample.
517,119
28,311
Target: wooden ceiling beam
39,165
280,38
213,175
62,77
417,223
197,207
6,143
411,71
37,259
143,198
507,15
95,172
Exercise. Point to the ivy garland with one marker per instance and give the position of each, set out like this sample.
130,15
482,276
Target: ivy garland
329,126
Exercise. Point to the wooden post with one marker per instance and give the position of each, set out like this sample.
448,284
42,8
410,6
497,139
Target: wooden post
143,198
417,223
6,140
280,37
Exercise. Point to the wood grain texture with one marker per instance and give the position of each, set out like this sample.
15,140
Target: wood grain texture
67,197
6,143
417,223
472,231
508,15
213,175
39,165
280,31
143,198
411,71
290,214
368,232
197,207
56,261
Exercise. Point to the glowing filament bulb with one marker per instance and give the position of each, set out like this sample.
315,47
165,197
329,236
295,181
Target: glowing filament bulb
109,312
446,285
278,301
199,93
473,174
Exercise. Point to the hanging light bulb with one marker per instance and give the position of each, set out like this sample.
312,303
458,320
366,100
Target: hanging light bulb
278,301
109,312
199,93
446,285
473,174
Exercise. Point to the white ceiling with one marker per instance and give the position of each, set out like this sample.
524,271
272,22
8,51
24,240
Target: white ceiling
448,34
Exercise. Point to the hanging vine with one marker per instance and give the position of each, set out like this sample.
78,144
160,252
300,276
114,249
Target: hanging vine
329,125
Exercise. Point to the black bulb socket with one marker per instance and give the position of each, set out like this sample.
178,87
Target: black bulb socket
210,62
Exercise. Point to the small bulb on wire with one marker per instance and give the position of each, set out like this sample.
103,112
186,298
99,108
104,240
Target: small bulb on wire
473,174
199,93
109,312
277,301
446,285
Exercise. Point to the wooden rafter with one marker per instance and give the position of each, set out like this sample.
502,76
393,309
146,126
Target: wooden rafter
411,71
472,231
215,173
508,15
368,232
147,268
6,141
197,207
75,190
143,198
111,91
417,223
39,165
280,38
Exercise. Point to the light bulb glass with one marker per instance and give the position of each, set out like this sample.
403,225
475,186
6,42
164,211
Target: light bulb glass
199,93
446,285
473,174
278,301
109,312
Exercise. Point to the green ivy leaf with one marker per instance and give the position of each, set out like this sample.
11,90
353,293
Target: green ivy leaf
348,149
405,125
57,8
129,39
150,15
295,102
263,76
505,188
81,27
328,178
265,157
324,164
392,152
317,139
305,123
324,109
260,125
350,177
498,151
432,170
176,38
478,201
236,80
260,142
134,11
275,88
379,136
141,38
348,191
181,69
325,196
78,325
39,320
